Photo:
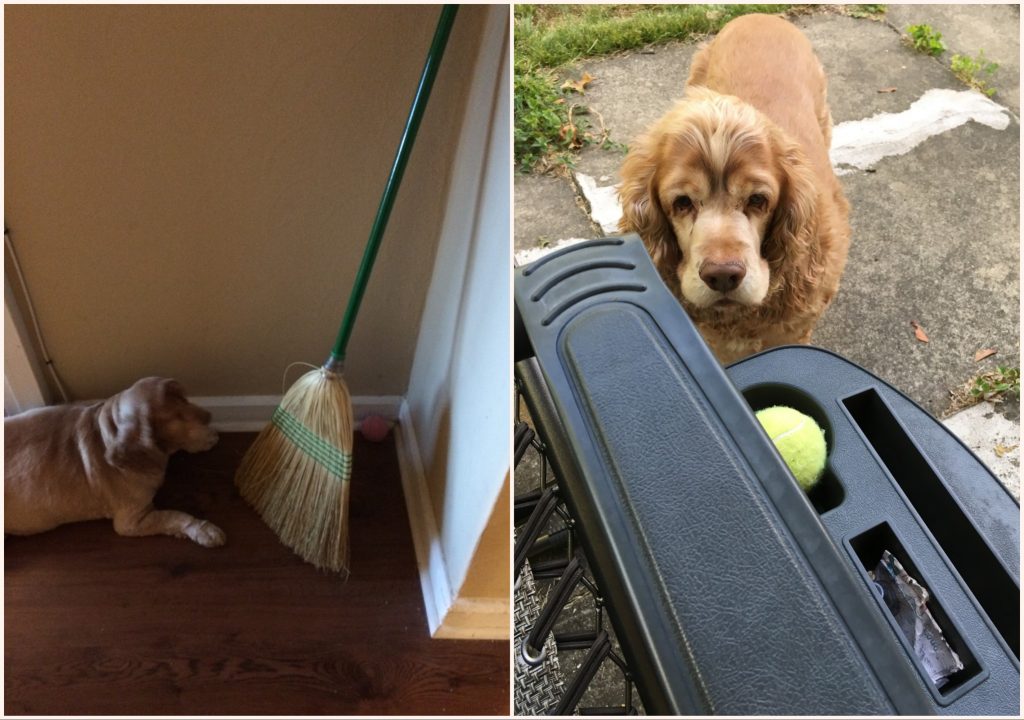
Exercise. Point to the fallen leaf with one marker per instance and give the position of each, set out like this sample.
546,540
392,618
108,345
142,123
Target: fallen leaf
982,354
919,332
570,134
1001,449
887,90
578,85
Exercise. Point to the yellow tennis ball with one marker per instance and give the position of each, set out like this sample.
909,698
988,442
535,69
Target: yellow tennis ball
799,440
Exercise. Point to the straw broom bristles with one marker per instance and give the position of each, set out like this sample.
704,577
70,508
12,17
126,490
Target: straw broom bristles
296,474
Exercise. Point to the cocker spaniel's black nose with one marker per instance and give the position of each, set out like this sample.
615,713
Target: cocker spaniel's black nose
722,277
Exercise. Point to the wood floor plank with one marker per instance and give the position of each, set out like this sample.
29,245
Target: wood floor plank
99,624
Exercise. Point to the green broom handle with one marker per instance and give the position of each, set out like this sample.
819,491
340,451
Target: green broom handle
412,124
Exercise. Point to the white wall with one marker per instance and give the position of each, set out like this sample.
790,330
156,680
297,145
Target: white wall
459,396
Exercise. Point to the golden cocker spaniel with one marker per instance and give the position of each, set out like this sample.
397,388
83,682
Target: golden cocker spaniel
87,461
733,193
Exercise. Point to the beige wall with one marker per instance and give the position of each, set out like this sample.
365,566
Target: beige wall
189,188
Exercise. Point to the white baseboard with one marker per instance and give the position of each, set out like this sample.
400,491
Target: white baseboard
437,593
448,616
250,413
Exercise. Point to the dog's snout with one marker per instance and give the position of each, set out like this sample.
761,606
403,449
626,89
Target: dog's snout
722,277
205,441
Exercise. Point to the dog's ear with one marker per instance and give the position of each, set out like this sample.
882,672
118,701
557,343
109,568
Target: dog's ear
173,388
132,445
699,66
641,210
170,393
793,256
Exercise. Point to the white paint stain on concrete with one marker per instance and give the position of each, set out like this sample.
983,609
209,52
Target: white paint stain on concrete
994,439
857,144
862,143
604,203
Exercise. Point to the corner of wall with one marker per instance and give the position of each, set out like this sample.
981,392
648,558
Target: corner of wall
456,372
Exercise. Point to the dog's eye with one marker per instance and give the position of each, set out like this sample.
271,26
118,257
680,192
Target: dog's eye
757,201
682,204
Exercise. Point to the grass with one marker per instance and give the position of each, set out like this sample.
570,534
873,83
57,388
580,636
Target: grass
539,120
925,39
870,12
553,35
975,72
551,122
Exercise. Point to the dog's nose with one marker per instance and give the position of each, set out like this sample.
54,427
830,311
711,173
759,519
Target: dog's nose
722,277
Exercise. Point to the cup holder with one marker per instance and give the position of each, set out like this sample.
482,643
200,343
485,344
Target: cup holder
828,493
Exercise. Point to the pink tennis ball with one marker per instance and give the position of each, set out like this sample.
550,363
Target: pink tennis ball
374,428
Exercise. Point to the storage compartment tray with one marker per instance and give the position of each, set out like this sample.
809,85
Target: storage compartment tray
892,464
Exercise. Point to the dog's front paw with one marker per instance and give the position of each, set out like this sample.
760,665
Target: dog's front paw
206,534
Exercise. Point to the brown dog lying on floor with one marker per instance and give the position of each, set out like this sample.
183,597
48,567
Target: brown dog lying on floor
733,193
104,460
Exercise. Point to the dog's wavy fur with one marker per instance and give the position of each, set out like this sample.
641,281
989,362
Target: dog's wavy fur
755,106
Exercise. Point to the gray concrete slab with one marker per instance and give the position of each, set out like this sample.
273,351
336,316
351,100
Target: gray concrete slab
547,209
935,239
862,57
632,90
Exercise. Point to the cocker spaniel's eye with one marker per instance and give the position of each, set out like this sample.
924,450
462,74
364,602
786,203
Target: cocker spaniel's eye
682,204
757,201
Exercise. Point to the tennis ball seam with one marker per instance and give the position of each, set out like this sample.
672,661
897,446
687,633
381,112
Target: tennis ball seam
786,433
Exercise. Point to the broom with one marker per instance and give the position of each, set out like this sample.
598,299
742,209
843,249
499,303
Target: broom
296,474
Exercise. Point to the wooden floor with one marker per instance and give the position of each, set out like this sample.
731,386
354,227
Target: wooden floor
99,624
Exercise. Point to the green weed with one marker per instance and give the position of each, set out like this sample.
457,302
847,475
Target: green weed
992,385
539,117
995,384
970,71
924,39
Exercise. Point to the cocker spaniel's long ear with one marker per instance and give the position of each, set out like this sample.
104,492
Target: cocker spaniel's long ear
172,388
133,446
641,211
793,255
